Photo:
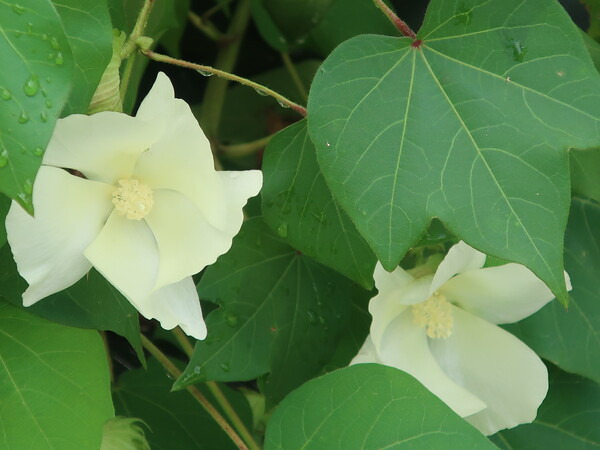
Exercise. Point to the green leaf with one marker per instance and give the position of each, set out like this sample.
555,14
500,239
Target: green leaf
33,90
279,313
470,124
571,338
346,19
54,384
368,406
92,302
585,167
295,18
176,421
89,31
300,207
568,418
4,207
593,7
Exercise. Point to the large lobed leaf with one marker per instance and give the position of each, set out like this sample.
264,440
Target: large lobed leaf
280,313
54,384
368,406
34,85
469,124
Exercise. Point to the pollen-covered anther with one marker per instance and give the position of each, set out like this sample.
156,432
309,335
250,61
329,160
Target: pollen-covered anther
435,314
133,199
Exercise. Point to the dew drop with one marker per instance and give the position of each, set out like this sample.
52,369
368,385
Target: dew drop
59,59
25,198
23,118
518,49
54,43
48,104
225,367
18,9
283,104
31,86
205,73
44,116
29,28
197,370
28,186
48,80
5,94
231,320
312,317
282,230
3,159
39,151
259,92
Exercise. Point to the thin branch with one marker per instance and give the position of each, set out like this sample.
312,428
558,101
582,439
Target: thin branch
208,407
283,101
396,21
205,26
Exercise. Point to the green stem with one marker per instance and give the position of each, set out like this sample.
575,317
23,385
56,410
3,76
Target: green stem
245,149
208,407
129,48
396,21
214,96
285,102
205,26
231,414
289,65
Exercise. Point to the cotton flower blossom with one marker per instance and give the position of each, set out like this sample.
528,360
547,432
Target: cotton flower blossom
149,211
441,329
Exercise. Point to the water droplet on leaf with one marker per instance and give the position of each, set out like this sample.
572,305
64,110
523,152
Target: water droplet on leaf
260,92
18,9
23,118
225,367
205,73
3,159
5,94
312,317
283,104
231,320
48,104
39,151
44,116
59,59
282,230
54,43
28,186
31,86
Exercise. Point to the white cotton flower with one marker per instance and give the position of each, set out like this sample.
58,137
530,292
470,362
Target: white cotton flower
150,212
441,329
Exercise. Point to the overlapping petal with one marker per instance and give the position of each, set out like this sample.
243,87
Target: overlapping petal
405,346
496,367
125,253
175,305
185,246
48,249
502,294
104,146
460,258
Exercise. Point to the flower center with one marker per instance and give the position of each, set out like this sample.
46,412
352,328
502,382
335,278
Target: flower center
435,314
133,199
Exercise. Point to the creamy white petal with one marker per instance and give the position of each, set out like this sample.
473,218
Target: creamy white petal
175,305
104,146
69,214
502,294
367,353
397,290
460,258
125,253
496,367
405,347
186,241
238,187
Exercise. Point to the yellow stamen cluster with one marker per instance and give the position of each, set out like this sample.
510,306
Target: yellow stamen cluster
133,199
435,314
